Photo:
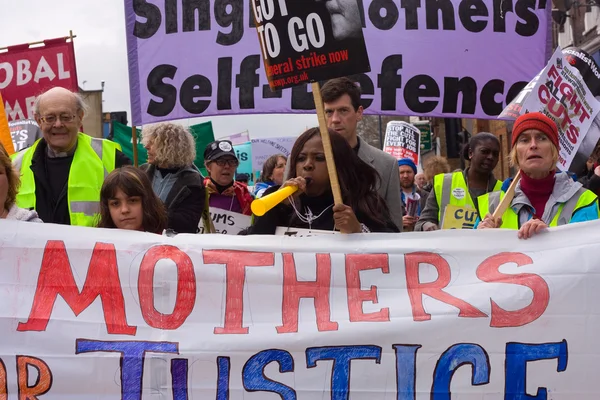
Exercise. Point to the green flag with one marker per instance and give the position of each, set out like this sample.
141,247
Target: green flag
122,135
203,133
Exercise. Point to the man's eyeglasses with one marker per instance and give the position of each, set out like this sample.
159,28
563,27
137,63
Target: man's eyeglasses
232,162
64,118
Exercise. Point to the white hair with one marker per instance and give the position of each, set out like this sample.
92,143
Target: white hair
79,101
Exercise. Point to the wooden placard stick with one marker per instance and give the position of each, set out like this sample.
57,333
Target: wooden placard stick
508,196
333,177
134,143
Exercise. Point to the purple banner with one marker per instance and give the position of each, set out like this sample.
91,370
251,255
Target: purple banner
444,58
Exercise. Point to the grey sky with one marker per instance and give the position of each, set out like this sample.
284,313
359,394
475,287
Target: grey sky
101,55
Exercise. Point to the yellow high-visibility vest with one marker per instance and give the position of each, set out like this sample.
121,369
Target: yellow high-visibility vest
93,160
452,189
564,214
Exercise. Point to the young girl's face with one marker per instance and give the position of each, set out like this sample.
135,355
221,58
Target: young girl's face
126,212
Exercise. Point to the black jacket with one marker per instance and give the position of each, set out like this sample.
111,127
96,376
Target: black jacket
55,209
285,216
185,201
591,182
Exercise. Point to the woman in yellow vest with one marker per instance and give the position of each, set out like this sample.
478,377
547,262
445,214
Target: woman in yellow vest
543,197
462,188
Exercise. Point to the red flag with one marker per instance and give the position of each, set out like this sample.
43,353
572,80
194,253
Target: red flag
31,71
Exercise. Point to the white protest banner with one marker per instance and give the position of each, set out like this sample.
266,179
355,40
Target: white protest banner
301,232
560,92
262,149
227,222
515,107
108,314
402,140
590,71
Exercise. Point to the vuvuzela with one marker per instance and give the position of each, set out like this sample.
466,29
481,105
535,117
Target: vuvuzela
261,206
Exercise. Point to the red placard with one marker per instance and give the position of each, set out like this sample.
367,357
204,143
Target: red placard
26,72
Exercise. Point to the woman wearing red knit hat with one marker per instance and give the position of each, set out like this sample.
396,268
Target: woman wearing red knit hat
543,198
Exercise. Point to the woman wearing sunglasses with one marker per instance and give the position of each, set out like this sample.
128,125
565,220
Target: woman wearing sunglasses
222,190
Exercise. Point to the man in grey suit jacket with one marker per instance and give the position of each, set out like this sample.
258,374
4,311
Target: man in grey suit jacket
341,100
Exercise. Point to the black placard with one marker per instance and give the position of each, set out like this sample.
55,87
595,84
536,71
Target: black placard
309,40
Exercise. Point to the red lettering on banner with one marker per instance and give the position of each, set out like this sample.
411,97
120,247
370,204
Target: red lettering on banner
584,114
567,91
186,287
235,264
43,381
553,72
356,296
558,109
416,289
566,119
568,94
577,106
56,278
572,134
558,82
294,290
544,94
488,271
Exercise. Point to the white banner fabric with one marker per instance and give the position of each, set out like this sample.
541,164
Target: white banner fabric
108,314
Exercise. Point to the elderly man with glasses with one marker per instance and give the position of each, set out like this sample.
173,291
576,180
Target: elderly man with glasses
222,190
62,173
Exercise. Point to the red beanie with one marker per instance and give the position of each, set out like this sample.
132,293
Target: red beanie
535,120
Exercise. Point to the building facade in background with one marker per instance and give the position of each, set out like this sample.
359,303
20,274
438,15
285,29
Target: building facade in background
92,120
577,23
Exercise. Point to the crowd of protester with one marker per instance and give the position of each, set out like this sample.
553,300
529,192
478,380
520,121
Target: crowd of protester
70,178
